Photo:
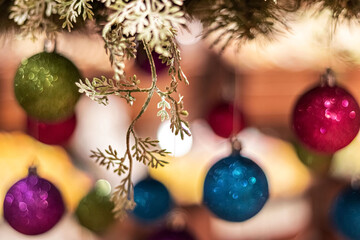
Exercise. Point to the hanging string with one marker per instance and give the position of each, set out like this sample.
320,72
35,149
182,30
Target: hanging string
330,39
235,143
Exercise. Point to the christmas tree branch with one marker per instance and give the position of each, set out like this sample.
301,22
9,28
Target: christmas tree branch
145,150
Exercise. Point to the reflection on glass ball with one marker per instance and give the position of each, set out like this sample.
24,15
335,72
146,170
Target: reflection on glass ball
345,213
326,118
33,205
152,200
235,188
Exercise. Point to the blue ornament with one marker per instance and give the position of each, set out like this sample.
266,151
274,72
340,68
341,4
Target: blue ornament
235,188
152,200
345,213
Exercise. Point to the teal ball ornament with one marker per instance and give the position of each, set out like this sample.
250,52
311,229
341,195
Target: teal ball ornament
152,200
94,211
345,213
45,87
235,188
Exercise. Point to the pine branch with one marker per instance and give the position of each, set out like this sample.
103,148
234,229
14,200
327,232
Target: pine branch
98,89
110,159
123,198
148,20
147,152
178,124
33,17
70,10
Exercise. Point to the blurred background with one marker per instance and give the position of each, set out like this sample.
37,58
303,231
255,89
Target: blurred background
264,79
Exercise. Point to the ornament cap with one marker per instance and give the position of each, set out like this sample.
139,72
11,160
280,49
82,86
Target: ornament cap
235,146
32,170
50,45
328,78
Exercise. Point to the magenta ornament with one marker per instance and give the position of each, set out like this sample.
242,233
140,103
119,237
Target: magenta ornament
326,118
33,205
54,133
221,119
143,63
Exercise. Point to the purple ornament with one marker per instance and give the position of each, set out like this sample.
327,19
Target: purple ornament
167,234
33,205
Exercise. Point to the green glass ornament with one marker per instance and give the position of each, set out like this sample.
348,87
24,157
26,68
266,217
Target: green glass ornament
317,162
95,209
45,86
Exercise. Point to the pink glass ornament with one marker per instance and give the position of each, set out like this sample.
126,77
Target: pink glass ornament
55,133
33,205
221,119
326,118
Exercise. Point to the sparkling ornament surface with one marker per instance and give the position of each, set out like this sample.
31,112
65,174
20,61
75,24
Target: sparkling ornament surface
95,209
33,205
345,213
55,133
221,119
152,200
168,234
326,118
235,188
45,86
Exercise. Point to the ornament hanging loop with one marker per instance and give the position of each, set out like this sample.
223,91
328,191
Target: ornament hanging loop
355,181
235,145
32,170
50,45
328,78
177,220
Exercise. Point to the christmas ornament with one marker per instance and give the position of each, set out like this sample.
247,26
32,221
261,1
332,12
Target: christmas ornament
17,153
318,162
45,86
152,200
221,119
55,133
33,205
345,213
326,118
170,234
95,209
235,188
142,60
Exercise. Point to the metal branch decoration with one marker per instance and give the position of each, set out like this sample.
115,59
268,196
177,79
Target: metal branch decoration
152,22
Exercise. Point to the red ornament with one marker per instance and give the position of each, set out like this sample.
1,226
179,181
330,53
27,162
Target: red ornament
221,120
326,118
56,133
